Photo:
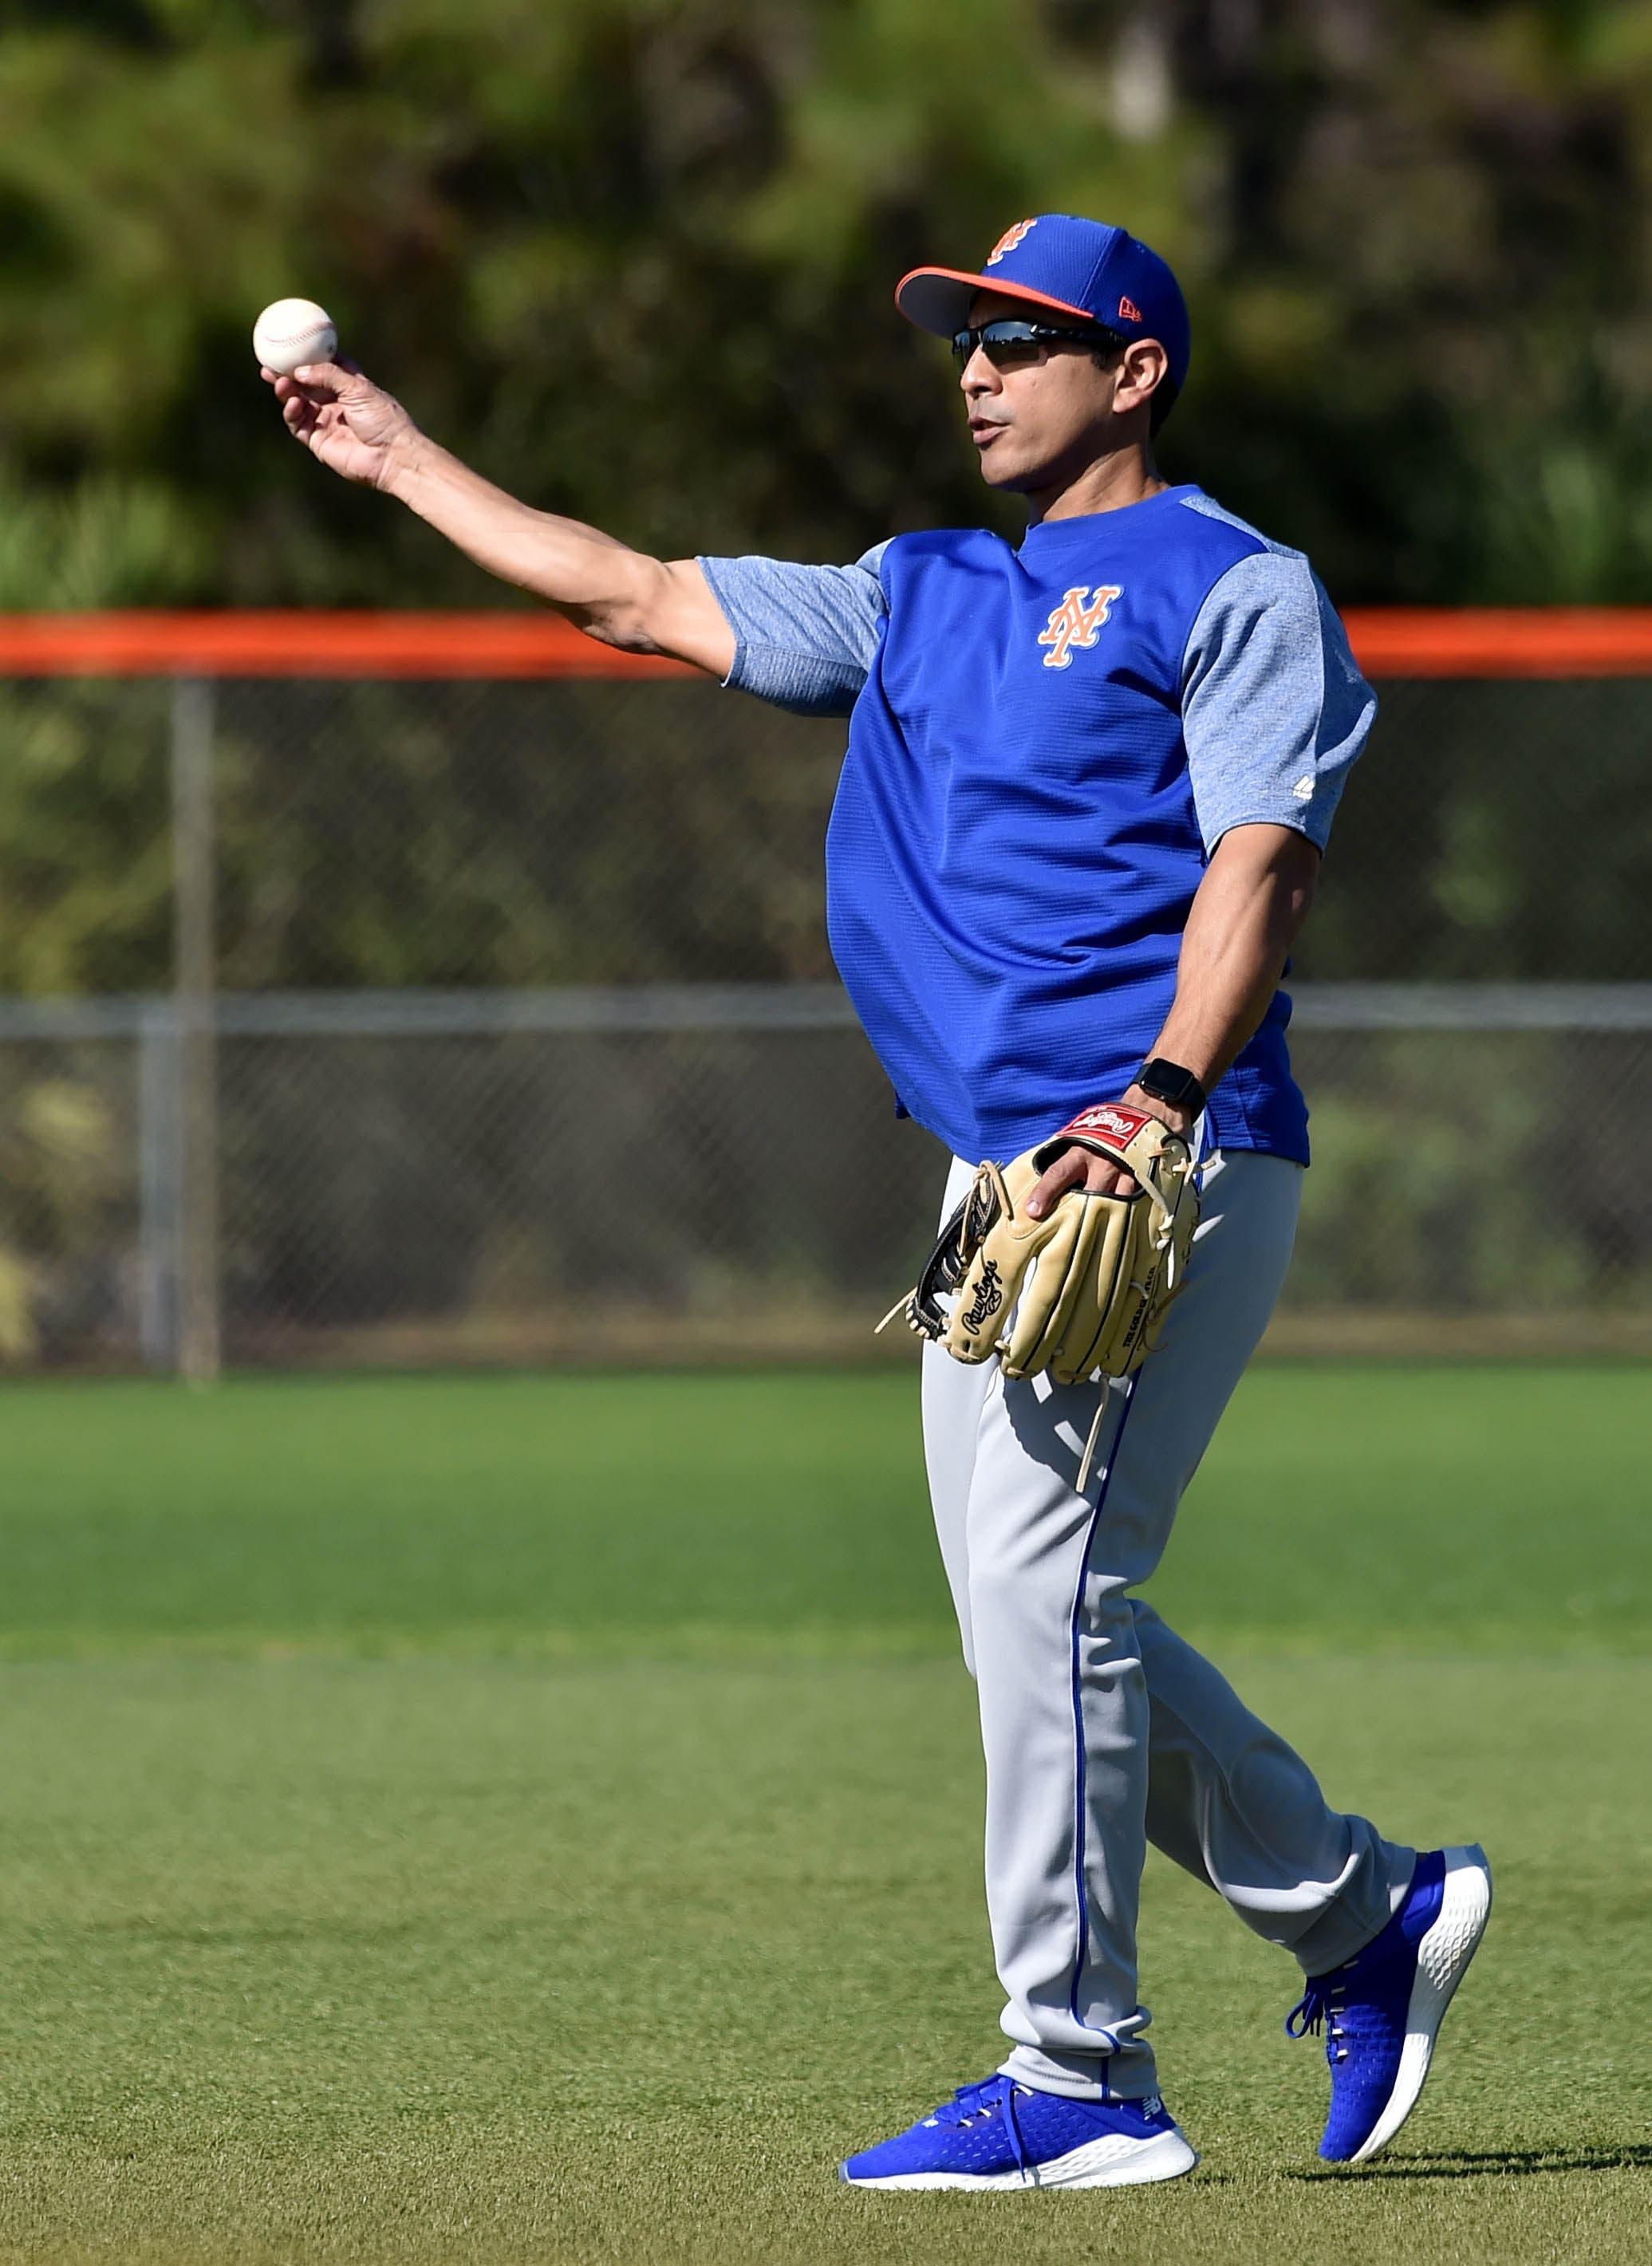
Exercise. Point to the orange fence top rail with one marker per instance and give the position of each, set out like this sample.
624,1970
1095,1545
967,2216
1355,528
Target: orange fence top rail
1503,641
249,644
1389,642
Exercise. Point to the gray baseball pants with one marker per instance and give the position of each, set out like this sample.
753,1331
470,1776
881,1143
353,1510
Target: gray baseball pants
1102,1729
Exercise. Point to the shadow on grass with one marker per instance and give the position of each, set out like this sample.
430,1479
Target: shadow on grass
1481,2163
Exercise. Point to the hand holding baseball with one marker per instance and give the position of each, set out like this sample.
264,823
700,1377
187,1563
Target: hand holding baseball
355,427
351,424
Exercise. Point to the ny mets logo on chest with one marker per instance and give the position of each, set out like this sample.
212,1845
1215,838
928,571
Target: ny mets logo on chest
1076,620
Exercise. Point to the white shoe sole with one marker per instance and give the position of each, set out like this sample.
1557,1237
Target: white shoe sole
1443,1958
1115,2161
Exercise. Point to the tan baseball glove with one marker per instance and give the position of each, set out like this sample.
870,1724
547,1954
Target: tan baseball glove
1082,1292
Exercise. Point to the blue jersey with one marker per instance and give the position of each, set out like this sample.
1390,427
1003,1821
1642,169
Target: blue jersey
1046,744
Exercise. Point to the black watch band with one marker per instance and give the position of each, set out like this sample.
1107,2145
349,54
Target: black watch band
1167,1081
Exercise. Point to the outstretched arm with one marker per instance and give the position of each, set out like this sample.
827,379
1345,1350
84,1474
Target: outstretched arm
616,594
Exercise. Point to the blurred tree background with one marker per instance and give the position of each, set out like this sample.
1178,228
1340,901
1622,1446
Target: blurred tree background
634,259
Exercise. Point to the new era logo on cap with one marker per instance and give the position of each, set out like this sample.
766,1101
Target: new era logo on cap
1128,311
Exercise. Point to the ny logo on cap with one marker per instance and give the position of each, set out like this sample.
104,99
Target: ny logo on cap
1076,621
1008,241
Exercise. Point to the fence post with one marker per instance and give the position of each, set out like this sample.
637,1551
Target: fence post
160,1177
194,981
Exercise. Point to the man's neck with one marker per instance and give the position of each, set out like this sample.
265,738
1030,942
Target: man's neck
1123,476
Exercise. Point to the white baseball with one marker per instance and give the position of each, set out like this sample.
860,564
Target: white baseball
292,332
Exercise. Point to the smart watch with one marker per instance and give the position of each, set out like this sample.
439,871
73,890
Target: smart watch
1167,1081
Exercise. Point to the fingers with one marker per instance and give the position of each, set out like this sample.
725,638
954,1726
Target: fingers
321,384
303,408
1077,1168
309,414
1107,1181
300,418
340,381
1067,1172
341,366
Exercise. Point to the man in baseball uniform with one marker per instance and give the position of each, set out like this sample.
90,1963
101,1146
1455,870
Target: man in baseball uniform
1088,782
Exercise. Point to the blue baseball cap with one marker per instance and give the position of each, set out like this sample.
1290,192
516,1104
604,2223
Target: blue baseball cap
1081,267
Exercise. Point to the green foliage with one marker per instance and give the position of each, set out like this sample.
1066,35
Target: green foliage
63,1171
634,257
104,540
87,901
1494,830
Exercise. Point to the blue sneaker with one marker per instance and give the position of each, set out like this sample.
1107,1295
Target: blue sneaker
1001,2134
1382,2011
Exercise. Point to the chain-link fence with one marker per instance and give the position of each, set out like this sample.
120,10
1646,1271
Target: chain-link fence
417,1020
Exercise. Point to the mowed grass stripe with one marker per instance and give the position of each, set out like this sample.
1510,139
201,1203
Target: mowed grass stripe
440,1961
1494,1508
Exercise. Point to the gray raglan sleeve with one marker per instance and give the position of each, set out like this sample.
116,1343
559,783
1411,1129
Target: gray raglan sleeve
1274,710
804,636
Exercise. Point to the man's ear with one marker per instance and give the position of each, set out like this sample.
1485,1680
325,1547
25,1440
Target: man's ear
1142,369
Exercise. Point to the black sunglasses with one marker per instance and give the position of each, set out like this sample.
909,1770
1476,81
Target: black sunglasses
1007,344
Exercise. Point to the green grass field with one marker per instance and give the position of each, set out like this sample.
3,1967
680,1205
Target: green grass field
512,1819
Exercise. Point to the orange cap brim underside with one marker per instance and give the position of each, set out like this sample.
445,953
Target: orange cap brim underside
942,310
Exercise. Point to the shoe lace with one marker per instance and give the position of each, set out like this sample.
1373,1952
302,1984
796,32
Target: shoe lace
992,2094
1321,2004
